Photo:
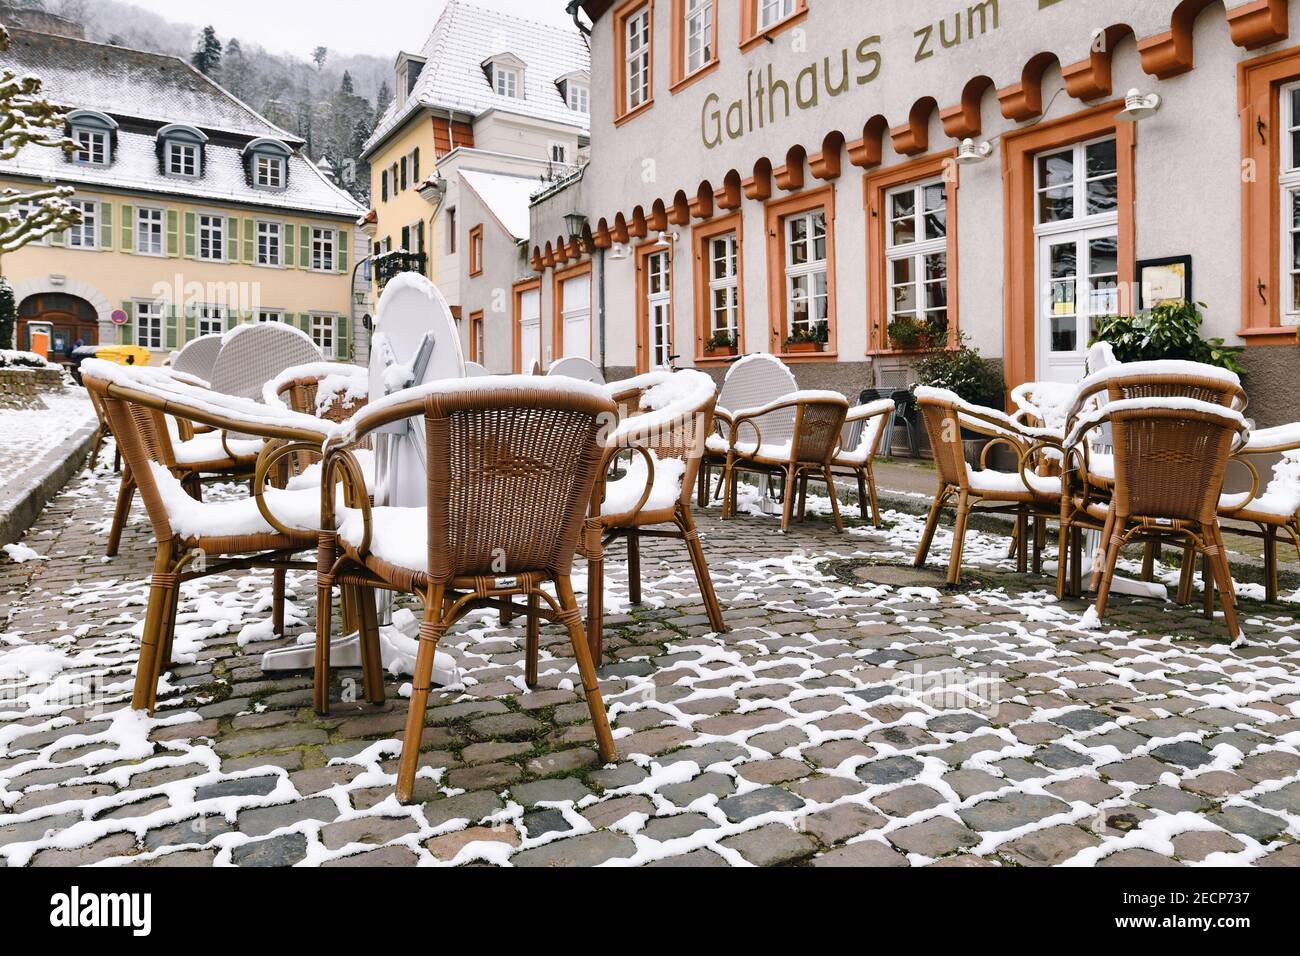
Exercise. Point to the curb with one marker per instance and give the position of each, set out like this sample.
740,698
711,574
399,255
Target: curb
34,491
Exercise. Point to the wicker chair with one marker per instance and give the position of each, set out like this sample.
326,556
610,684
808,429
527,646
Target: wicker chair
198,356
1025,494
815,437
664,420
512,466
242,534
864,432
1276,510
752,381
1170,459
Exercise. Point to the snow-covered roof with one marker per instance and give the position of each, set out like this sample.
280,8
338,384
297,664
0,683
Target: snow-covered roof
506,197
132,83
453,78
135,167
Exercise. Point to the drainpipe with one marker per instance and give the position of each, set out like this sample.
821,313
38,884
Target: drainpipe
600,306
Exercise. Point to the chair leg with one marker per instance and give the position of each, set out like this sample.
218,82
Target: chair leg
695,548
875,500
532,641
931,523
835,498
1270,565
787,506
596,592
277,601
1076,561
633,566
803,495
863,503
727,488
144,694
1103,547
1208,575
702,485
1108,572
324,631
117,458
431,631
1063,556
1223,573
372,661
121,510
959,538
1040,542
99,443
572,618
1013,547
1022,542
1187,575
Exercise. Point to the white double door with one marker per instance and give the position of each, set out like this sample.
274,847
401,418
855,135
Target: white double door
530,330
1078,282
576,298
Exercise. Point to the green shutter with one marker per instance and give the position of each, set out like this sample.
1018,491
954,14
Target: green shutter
288,245
106,225
190,249
250,253
170,340
127,328
342,235
304,323
232,239
342,344
304,247
128,223
173,233
191,322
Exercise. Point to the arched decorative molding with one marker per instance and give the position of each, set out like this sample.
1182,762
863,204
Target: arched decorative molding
679,214
732,192
43,285
964,121
790,176
620,233
638,228
1024,100
658,220
869,150
702,205
827,164
601,238
1090,78
184,130
548,255
1170,53
759,186
90,118
913,137
536,260
1260,23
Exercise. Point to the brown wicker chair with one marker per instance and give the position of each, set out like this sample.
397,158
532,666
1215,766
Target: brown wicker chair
512,465
1170,459
241,534
864,433
1026,494
1275,511
664,420
299,388
818,420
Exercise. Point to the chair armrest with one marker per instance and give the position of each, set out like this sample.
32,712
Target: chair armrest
871,410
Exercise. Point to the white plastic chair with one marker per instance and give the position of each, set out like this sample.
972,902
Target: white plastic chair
752,382
475,370
577,367
198,356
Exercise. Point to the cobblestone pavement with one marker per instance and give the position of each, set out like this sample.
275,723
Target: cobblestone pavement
856,712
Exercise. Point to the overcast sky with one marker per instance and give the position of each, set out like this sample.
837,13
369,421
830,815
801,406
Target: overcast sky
380,27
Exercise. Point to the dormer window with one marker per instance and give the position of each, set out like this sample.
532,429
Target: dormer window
92,147
180,151
505,72
408,71
576,89
269,173
507,83
182,159
266,163
579,98
95,135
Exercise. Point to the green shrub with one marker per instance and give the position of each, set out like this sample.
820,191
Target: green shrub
8,314
964,371
1166,332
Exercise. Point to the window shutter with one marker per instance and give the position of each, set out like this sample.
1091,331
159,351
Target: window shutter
403,173
189,236
232,239
415,166
383,185
304,247
105,225
288,246
170,340
406,238
342,344
127,328
173,233
128,223
250,253
191,322
341,237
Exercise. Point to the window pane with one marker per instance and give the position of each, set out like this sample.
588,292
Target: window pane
819,236
1064,333
936,266
1103,196
904,204
904,231
903,270
1064,259
904,298
1056,205
1101,159
1103,256
936,295
1056,169
1295,150
936,224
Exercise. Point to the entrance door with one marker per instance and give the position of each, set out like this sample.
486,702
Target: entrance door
576,300
73,321
530,330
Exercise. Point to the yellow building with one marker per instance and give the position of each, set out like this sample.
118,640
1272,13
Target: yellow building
197,213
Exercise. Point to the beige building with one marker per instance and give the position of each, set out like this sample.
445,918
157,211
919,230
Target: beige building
490,111
197,213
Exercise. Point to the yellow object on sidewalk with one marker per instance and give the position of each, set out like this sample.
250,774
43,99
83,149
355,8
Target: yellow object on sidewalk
123,354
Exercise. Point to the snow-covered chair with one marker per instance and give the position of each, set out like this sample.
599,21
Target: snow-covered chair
753,381
513,461
265,530
865,429
1274,510
198,356
664,418
252,355
575,366
333,391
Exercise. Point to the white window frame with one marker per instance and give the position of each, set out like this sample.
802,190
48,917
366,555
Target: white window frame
697,33
920,250
1289,188
211,229
270,315
579,97
809,269
659,307
324,257
728,283
150,323
188,155
322,332
268,171
210,319
558,153
85,234
268,248
92,147
636,59
505,81
772,12
150,222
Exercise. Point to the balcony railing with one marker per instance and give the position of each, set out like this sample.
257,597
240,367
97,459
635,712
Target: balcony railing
394,263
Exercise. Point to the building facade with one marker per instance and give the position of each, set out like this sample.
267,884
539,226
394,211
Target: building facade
784,176
197,213
492,109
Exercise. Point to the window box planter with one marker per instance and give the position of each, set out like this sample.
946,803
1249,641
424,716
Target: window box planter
718,351
804,346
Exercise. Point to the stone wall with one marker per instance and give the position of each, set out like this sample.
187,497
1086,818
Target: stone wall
21,387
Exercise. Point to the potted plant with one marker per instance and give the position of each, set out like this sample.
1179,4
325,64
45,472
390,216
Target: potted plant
1169,331
808,338
972,377
721,342
907,334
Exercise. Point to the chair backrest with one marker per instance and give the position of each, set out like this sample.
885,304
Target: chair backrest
198,356
943,425
140,433
1170,458
754,381
476,370
574,366
510,476
333,391
819,420
252,355
1043,404
669,413
869,433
